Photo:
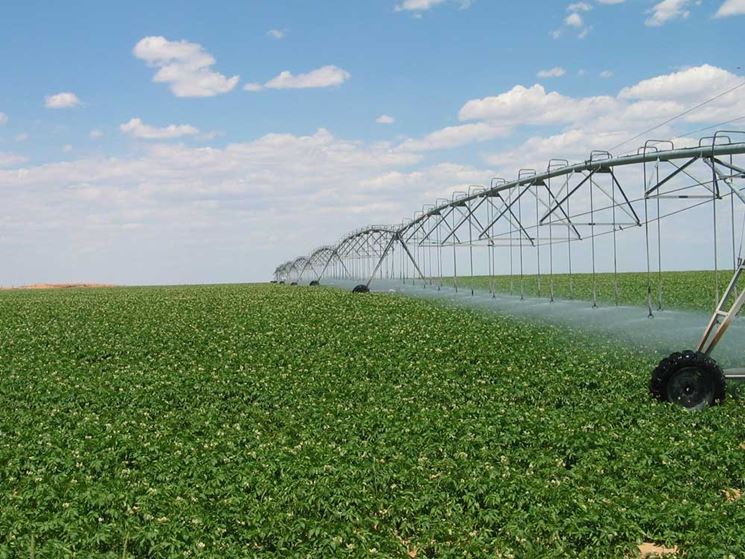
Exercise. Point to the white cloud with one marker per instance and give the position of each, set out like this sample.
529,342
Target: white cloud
138,129
555,72
22,137
67,148
385,119
689,84
95,134
573,144
455,136
253,87
635,108
277,33
440,180
606,74
731,8
574,20
606,120
11,159
326,76
3,118
417,5
534,105
235,209
64,100
667,10
185,66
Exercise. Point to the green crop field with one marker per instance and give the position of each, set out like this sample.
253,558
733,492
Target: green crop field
683,290
278,421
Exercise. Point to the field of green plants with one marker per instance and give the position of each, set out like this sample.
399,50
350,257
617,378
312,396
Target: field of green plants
682,290
279,421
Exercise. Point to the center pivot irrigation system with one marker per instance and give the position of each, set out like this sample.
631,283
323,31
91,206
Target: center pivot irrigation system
546,222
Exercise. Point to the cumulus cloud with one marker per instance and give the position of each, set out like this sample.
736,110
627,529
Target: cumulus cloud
437,181
419,6
279,194
688,84
455,136
326,76
667,10
3,119
276,33
185,66
253,87
64,100
385,119
573,144
731,8
533,105
633,109
233,209
606,74
11,159
555,72
138,129
691,86
95,134
574,20
589,122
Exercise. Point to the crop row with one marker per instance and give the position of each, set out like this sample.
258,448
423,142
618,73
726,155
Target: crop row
240,421
683,290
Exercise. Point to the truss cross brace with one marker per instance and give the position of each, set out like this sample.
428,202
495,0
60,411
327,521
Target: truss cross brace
396,237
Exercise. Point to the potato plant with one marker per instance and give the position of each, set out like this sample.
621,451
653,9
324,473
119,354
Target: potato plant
682,290
278,421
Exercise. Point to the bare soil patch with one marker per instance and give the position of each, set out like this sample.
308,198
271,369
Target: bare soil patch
648,550
60,286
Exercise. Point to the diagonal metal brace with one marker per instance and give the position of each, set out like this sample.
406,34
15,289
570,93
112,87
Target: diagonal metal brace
568,195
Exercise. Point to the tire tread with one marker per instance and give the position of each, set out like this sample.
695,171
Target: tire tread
678,360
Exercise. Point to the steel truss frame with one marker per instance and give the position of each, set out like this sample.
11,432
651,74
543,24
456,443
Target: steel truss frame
563,205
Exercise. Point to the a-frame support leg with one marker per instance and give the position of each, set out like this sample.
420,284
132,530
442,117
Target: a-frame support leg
396,237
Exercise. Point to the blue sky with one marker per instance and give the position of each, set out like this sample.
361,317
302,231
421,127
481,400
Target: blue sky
211,182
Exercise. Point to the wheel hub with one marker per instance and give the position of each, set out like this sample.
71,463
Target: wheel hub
690,388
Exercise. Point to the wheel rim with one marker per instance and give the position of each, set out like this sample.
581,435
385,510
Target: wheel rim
691,388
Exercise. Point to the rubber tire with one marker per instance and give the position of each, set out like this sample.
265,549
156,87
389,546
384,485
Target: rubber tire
282,282
294,283
664,387
314,283
361,288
